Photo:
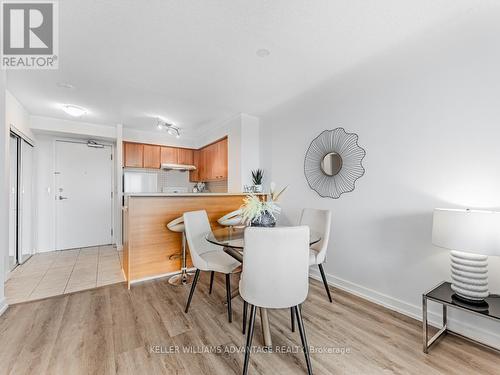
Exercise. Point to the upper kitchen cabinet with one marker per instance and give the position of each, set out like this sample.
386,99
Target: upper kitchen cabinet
169,155
220,161
194,176
133,154
211,162
184,156
151,156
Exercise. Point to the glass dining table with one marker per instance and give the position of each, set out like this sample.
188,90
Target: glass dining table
232,240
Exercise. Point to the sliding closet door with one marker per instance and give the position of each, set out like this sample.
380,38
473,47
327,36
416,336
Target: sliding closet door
26,202
13,238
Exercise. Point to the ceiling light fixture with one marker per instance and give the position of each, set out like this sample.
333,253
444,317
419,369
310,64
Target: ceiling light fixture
170,128
74,110
263,52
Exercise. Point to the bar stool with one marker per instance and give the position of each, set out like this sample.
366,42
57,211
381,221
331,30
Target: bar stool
232,219
185,277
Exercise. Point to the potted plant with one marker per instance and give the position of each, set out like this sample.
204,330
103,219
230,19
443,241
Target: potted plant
257,176
261,211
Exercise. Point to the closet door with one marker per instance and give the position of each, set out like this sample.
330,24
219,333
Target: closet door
26,202
13,194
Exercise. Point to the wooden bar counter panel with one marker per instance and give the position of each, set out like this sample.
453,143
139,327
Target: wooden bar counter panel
148,246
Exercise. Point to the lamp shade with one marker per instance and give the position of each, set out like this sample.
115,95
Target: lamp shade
470,231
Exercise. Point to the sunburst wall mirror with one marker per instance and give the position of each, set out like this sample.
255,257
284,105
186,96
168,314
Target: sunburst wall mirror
333,163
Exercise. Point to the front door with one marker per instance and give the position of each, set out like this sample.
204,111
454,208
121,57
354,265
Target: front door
83,195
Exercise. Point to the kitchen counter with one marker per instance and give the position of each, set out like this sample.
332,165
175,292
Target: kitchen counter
183,194
150,249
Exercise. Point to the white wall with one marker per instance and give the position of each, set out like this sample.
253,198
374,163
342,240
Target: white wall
4,188
157,138
17,117
250,149
71,128
428,115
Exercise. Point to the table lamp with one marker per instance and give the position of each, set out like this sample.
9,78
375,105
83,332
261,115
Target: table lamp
472,236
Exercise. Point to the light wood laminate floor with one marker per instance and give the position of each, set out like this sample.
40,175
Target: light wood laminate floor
113,330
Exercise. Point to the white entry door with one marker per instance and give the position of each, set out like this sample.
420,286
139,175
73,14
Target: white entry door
83,195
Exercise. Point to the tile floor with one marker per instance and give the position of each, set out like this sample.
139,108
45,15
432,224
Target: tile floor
59,272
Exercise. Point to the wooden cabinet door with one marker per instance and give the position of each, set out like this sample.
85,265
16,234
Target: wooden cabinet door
133,155
169,155
221,160
211,162
203,172
194,176
151,156
185,156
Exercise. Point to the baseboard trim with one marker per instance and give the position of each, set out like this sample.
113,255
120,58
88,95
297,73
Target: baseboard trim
161,276
479,334
3,306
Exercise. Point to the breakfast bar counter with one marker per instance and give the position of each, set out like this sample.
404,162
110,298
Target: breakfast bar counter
150,249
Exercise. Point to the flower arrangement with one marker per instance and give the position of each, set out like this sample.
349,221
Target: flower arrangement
259,211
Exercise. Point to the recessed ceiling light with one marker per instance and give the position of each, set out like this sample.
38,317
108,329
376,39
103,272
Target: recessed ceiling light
74,110
65,85
263,52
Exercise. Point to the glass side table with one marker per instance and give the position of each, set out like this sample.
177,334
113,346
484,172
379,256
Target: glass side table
444,295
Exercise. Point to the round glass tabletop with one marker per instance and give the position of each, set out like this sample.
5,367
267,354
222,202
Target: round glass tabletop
235,237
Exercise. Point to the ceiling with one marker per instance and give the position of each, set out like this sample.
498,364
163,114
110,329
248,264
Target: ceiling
195,62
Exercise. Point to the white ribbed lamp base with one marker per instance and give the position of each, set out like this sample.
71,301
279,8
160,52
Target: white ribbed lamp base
469,275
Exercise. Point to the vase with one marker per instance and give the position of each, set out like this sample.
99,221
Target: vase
264,220
257,188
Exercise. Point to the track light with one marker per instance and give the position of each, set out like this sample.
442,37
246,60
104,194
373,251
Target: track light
170,128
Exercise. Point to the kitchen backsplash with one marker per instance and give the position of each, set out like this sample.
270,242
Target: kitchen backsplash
217,186
167,178
179,179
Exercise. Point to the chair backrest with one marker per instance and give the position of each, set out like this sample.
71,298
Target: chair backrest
275,266
320,222
196,228
232,218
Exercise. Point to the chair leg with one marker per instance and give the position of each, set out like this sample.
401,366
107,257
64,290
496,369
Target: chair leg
248,346
324,282
245,310
228,293
195,280
292,319
212,274
303,338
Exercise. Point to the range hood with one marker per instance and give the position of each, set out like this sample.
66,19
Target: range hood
178,167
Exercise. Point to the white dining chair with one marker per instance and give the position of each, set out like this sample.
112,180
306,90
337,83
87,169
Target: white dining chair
207,256
275,276
318,221
232,219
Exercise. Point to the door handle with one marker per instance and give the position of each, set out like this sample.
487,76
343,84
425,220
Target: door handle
62,198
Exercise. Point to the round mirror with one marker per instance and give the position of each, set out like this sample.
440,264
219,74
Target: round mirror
331,164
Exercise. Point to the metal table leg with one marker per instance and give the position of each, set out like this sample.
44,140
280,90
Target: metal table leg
266,330
425,330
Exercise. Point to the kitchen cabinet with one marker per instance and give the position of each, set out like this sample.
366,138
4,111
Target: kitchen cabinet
168,155
211,162
194,176
220,160
151,156
133,154
184,156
